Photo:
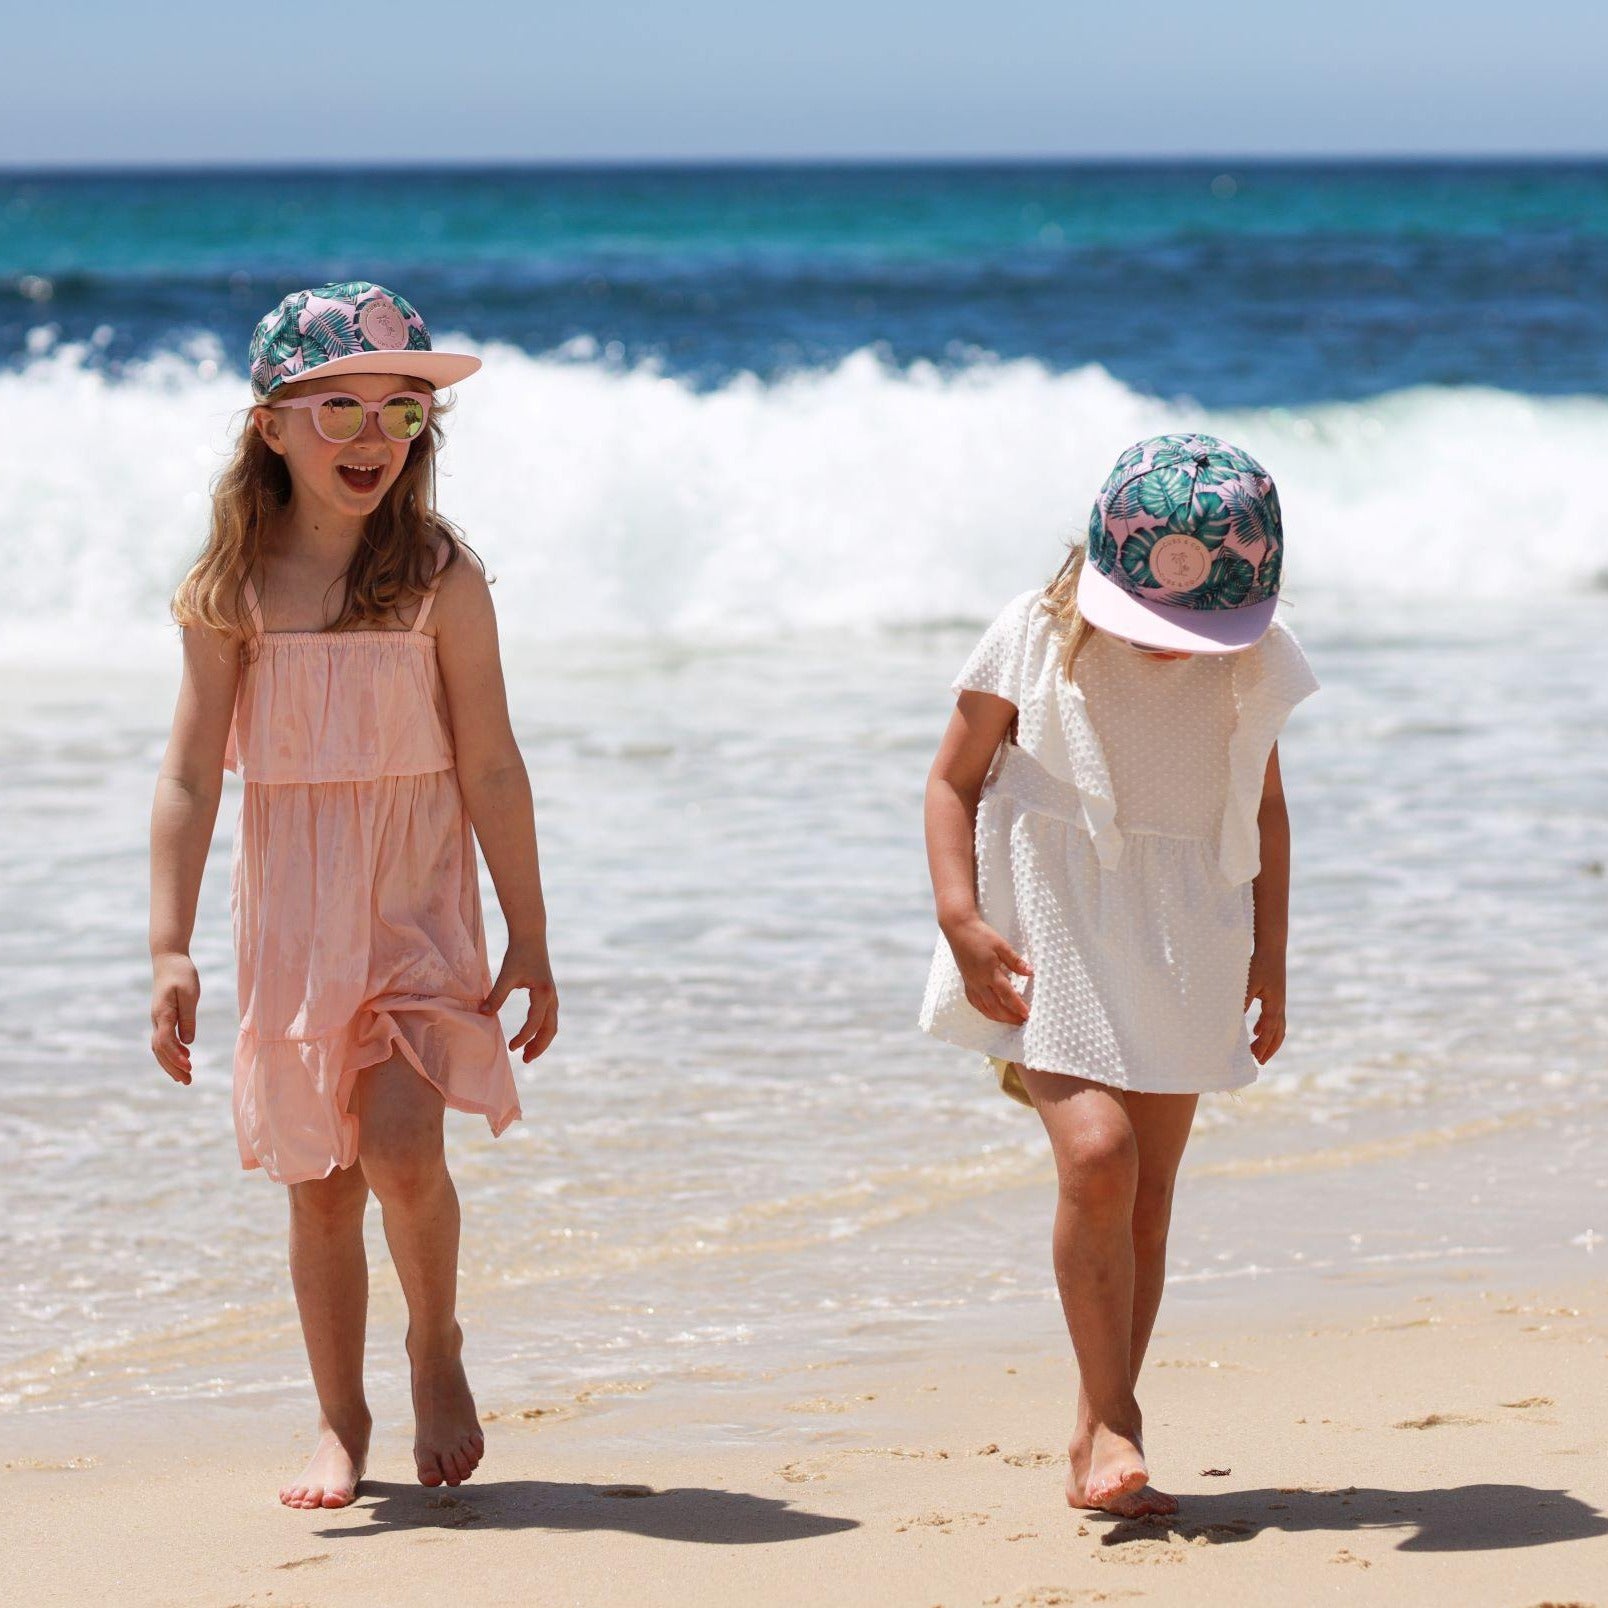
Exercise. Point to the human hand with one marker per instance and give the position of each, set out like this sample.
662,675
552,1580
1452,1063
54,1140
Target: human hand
1265,982
985,962
527,966
175,992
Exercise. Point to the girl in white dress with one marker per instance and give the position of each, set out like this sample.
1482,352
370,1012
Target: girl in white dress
1110,855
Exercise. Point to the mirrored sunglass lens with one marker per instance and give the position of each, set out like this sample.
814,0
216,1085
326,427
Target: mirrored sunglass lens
340,418
402,418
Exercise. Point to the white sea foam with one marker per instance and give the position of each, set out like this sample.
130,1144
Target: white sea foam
622,501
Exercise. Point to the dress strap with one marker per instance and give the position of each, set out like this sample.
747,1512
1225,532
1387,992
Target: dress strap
430,596
252,608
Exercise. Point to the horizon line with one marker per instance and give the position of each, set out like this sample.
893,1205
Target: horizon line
156,166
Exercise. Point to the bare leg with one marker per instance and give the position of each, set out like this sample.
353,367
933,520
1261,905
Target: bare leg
1161,1126
401,1152
329,1271
1116,1157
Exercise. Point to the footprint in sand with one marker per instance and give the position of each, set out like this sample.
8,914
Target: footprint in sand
1034,1459
1062,1596
301,1563
801,1470
1156,1540
1158,1549
1437,1421
1530,1401
453,1512
942,1522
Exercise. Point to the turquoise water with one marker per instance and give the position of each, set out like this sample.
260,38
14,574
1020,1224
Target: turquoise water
1261,285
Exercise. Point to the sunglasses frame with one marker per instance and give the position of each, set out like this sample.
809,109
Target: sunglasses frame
313,403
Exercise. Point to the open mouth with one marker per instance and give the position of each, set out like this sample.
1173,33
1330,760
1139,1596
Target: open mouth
360,477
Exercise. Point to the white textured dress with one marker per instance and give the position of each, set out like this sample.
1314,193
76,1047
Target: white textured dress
1116,842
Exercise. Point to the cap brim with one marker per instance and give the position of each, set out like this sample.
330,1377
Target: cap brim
437,368
1166,626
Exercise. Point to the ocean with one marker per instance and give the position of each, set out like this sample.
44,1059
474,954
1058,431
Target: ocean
755,454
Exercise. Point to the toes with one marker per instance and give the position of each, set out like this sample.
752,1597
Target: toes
429,1471
1103,1492
1145,1503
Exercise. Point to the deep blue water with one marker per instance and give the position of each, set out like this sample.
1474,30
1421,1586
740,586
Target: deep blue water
1253,285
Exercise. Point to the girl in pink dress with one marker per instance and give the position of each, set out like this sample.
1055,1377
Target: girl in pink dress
340,654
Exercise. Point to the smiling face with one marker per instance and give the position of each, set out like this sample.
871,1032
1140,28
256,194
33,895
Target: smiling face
346,479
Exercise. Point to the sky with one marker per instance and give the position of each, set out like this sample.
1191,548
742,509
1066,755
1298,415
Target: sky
185,82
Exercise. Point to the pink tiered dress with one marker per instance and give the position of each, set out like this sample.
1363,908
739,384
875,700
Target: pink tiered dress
355,893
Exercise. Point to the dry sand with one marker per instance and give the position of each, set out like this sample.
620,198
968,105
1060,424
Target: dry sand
1448,1450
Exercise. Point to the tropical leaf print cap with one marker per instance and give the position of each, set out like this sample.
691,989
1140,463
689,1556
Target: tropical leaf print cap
1185,547
350,327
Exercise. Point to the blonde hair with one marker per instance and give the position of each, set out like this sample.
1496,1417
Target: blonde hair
394,565
1061,599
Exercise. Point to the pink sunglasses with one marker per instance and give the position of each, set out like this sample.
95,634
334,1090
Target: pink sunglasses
340,416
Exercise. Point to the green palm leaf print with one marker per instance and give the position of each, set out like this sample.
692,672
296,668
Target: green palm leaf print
1211,518
1228,583
344,290
276,343
1250,513
1136,557
1162,490
1269,573
332,333
1102,546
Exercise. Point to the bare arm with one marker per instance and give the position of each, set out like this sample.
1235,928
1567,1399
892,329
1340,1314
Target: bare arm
496,793
183,814
976,729
1271,892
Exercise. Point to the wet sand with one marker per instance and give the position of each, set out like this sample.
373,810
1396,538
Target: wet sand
1439,1448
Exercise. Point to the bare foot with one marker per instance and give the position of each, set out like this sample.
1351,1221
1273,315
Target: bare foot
331,1477
1147,1502
447,1442
1106,1467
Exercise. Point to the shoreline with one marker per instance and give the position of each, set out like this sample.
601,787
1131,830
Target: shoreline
1416,1448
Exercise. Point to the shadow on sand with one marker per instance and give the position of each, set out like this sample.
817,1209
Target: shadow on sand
1458,1518
680,1513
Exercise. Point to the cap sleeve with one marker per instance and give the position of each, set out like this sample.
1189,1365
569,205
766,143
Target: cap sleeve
997,662
1020,660
1269,681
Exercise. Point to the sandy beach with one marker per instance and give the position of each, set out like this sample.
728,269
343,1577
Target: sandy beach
1437,1449
758,1296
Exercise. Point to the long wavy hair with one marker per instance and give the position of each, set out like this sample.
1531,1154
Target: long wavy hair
394,564
1061,599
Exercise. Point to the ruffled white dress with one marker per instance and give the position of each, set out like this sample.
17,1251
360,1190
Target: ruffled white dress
1116,842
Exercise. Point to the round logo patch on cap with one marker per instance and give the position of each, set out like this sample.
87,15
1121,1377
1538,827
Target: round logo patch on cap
1180,562
382,324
